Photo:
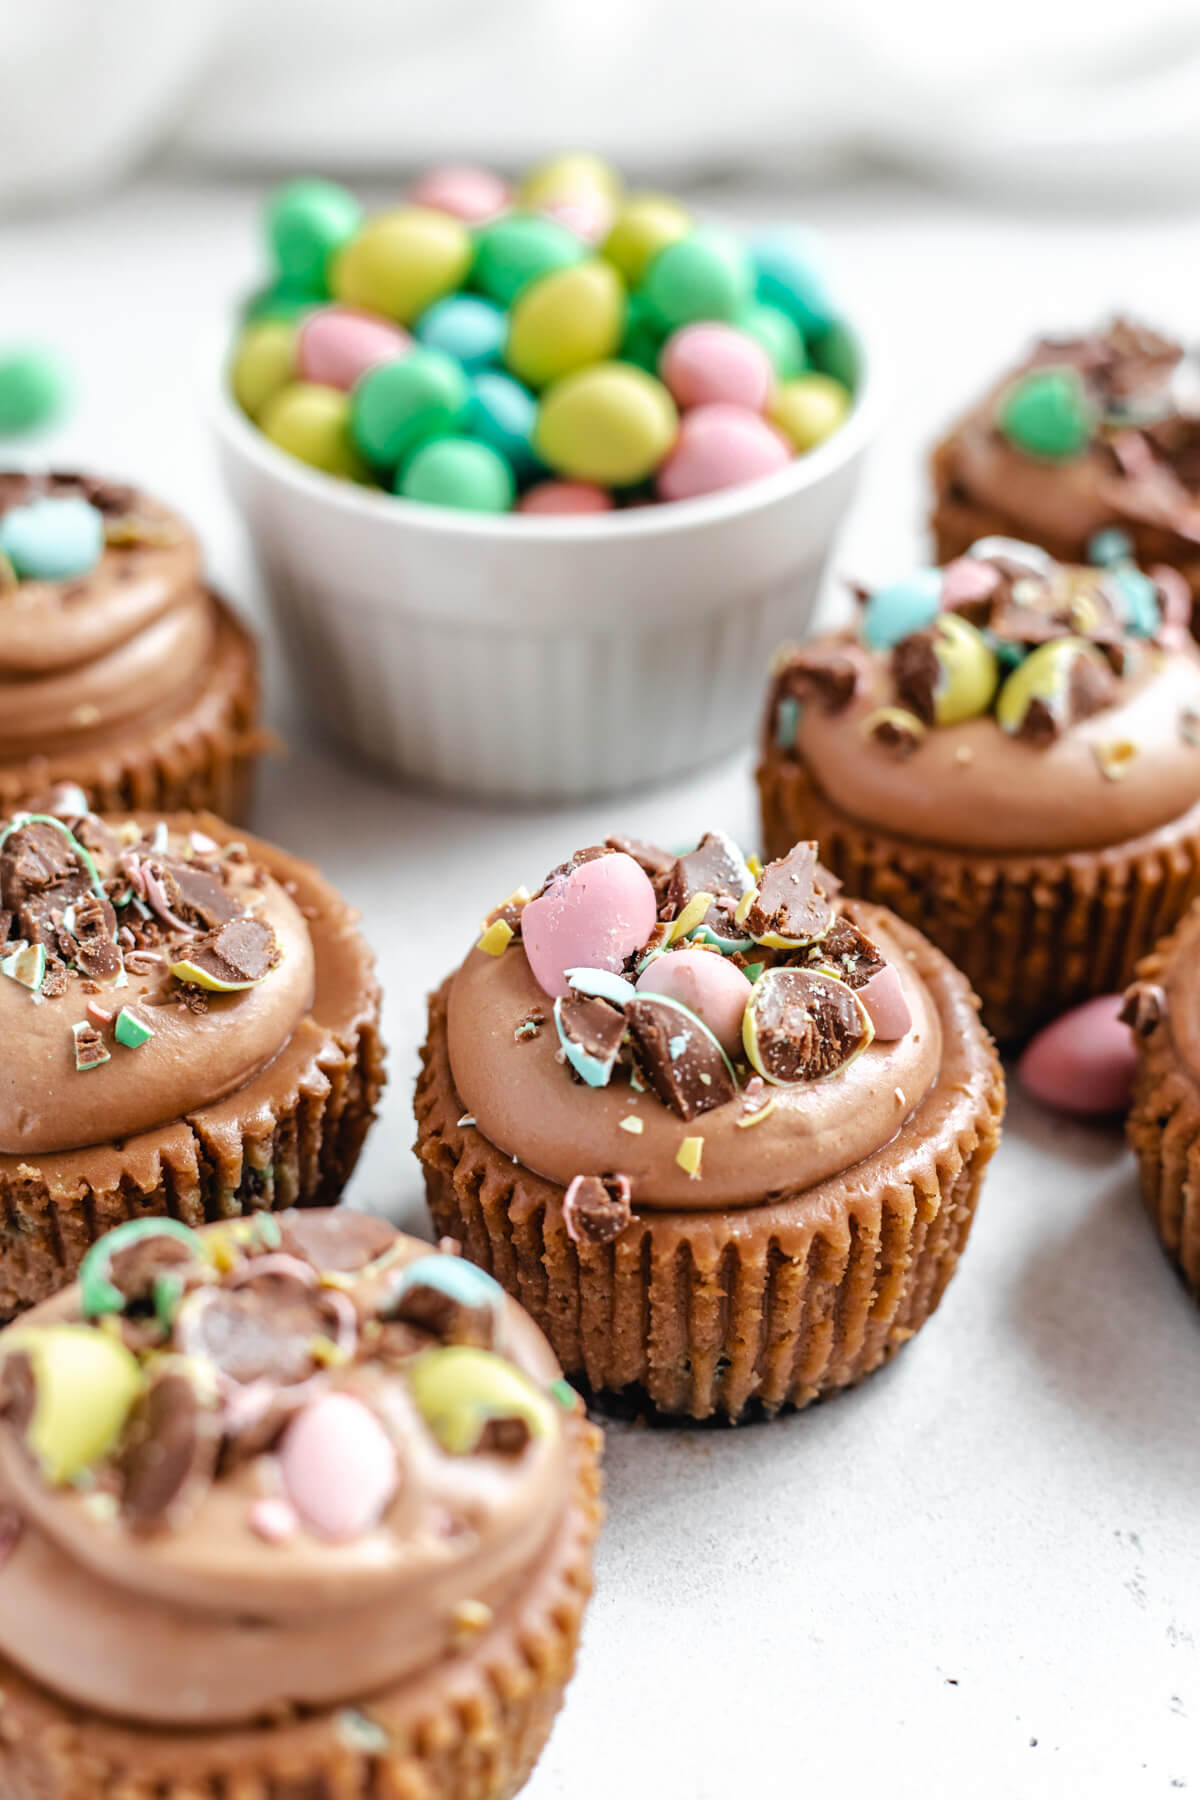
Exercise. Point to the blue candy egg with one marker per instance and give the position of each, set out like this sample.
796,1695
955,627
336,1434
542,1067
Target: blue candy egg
789,269
466,327
502,413
52,539
1137,600
1112,545
906,606
459,1280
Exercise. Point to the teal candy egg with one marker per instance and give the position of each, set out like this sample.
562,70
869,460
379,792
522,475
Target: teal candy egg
307,221
789,273
466,327
52,539
779,336
397,406
1137,600
906,606
459,472
1047,414
451,1275
1108,546
34,388
520,248
706,275
502,414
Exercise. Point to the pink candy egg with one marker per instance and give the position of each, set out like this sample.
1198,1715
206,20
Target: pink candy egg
552,498
720,446
886,1006
468,193
712,362
338,1467
1084,1062
966,578
336,345
592,918
715,989
588,214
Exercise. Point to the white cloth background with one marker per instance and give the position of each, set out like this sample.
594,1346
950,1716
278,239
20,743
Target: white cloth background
1077,97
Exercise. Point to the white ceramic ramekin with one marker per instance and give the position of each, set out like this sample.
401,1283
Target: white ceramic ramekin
535,658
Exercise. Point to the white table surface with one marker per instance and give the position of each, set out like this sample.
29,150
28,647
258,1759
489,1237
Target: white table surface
978,1574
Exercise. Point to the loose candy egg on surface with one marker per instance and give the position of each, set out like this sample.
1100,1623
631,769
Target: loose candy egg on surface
264,361
85,1383
52,539
338,1467
502,413
401,262
706,275
565,321
308,221
400,405
466,327
644,225
592,918
35,388
715,989
718,447
459,472
809,409
470,193
714,362
519,248
610,424
312,423
335,346
893,612
562,498
1047,414
789,267
1083,1062
779,336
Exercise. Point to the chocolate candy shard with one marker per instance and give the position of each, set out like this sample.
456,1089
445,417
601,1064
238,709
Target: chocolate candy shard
92,923
1057,685
793,903
678,1056
43,871
654,862
341,1242
716,866
848,953
449,1298
18,1390
169,1453
236,955
1144,1008
90,1048
262,1331
827,678
127,1269
801,1025
194,894
596,1208
590,1031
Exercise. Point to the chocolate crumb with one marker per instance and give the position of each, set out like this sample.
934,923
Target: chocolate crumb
1144,1008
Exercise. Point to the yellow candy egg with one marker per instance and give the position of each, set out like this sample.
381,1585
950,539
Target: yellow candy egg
969,671
1046,675
401,262
612,424
85,1383
460,1390
646,224
571,173
566,321
808,409
264,361
312,423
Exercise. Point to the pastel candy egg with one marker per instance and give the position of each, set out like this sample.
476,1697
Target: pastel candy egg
85,1383
283,300
610,424
34,388
470,193
894,612
644,337
52,539
643,226
714,362
1084,1062
462,1390
836,351
335,345
705,275
570,172
1137,600
720,447
453,1276
809,409
779,336
968,671
588,214
401,262
459,472
562,498
312,423
307,222
1047,676
264,361
712,987
520,248
338,1467
790,273
502,413
886,1006
399,405
565,321
1047,414
592,918
466,327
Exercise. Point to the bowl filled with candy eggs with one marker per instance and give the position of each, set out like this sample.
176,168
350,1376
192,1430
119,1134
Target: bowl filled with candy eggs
538,476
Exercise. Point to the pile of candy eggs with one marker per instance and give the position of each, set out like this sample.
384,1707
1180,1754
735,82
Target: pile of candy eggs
558,347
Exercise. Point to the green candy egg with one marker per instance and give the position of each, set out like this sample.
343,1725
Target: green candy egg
779,336
459,472
1046,675
808,409
34,388
283,300
611,424
644,336
459,1391
835,351
307,221
519,248
1047,414
85,1383
968,670
646,224
401,262
706,275
565,321
400,405
264,361
312,423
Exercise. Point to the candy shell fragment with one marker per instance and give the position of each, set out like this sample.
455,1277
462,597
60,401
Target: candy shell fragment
84,1383
338,1467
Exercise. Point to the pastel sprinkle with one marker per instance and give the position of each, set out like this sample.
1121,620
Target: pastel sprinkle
564,1393
132,1031
1113,759
633,1125
689,1155
358,1732
691,916
496,938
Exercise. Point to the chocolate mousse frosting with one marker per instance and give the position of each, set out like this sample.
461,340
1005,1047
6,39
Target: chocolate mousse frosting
294,1468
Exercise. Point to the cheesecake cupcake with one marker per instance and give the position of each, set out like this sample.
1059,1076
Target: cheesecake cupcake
1089,443
1162,1008
119,669
191,1029
1006,751
721,1131
288,1506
